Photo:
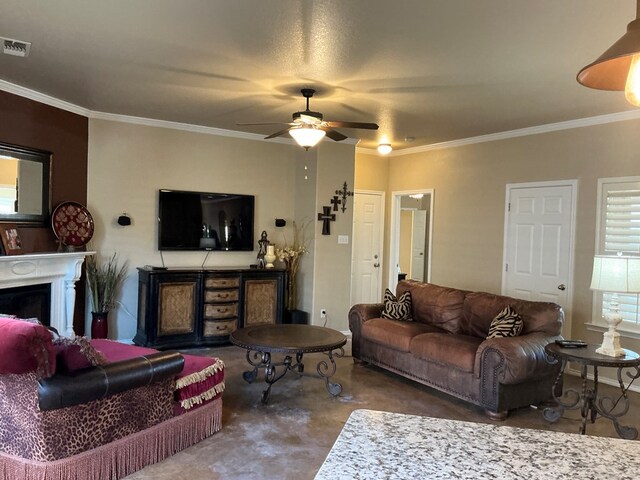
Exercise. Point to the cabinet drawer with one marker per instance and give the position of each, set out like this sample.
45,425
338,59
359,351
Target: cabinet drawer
217,296
217,329
222,282
222,310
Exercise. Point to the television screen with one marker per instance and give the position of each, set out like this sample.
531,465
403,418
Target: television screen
205,221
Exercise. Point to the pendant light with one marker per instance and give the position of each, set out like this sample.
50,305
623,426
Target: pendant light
619,67
307,136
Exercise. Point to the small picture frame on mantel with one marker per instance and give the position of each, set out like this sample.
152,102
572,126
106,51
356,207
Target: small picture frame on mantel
11,242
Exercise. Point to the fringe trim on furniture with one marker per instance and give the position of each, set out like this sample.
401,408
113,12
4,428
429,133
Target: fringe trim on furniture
187,403
201,375
125,456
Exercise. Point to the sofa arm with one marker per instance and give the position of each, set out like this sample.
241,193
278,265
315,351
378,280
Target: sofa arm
362,312
98,382
513,360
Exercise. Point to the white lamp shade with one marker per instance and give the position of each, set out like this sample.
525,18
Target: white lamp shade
307,136
616,274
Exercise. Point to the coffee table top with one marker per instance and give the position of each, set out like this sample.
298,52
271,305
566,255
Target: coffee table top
588,356
288,338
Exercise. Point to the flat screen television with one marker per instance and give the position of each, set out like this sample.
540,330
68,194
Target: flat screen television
205,221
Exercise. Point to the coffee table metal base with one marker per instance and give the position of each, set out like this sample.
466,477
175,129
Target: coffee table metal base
274,372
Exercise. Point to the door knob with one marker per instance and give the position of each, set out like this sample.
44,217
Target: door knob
562,287
376,265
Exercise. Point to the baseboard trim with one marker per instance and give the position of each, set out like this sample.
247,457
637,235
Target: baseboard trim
608,381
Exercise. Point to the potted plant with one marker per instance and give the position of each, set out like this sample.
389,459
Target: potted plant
290,255
104,282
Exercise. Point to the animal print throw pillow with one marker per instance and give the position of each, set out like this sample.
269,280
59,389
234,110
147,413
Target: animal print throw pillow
397,308
506,324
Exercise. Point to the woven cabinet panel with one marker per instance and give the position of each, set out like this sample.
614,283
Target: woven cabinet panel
260,302
177,309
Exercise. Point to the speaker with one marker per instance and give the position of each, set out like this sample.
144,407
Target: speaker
280,222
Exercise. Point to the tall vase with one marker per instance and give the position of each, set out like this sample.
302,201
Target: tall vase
99,324
270,256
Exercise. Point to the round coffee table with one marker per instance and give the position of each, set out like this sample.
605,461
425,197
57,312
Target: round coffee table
261,341
590,403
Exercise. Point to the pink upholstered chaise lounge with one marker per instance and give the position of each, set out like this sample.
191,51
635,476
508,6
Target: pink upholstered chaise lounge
62,419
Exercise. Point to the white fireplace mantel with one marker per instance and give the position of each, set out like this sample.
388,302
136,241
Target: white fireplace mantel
61,270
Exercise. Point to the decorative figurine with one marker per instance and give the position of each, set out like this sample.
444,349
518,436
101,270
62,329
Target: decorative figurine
262,248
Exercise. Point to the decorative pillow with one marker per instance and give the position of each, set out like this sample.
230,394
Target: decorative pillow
506,324
76,353
397,308
26,347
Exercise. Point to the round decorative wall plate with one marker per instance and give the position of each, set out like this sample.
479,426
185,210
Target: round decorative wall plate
72,224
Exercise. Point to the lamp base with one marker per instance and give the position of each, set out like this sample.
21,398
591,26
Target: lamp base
611,345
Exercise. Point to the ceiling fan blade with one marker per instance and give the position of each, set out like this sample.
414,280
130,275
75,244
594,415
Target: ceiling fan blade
278,134
333,134
264,123
370,126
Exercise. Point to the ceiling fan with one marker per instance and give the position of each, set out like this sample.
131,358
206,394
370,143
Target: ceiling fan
308,128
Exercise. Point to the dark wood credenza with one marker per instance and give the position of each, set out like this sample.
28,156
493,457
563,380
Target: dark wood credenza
192,307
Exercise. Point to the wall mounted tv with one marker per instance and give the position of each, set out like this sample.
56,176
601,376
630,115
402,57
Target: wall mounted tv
205,221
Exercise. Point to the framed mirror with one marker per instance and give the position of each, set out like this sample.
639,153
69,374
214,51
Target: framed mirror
24,185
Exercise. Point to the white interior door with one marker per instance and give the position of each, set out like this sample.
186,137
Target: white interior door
418,244
539,243
366,270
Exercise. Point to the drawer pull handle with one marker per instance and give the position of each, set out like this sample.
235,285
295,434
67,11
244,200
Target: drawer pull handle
222,310
224,295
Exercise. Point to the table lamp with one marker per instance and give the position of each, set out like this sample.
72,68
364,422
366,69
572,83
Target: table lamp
614,274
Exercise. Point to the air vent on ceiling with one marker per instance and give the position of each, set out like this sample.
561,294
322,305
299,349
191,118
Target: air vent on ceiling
14,47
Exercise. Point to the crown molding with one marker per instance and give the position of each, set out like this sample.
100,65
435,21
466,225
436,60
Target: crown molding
43,98
492,137
521,132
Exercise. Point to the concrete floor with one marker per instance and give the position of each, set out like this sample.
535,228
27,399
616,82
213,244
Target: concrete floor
290,437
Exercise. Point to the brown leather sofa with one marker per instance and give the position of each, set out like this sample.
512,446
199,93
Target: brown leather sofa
445,346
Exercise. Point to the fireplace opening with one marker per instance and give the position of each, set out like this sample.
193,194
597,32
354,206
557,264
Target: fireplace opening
29,301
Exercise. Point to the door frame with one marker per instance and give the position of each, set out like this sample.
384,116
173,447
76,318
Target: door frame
382,195
572,240
394,234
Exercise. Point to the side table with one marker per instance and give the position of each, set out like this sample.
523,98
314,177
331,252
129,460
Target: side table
587,399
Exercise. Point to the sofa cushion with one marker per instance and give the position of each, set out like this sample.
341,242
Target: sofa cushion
397,308
445,348
480,308
435,305
393,333
26,347
506,324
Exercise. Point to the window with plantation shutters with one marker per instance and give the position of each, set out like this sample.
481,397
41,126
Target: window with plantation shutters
619,232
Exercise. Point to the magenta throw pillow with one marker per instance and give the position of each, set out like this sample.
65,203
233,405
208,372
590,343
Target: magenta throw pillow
77,353
26,347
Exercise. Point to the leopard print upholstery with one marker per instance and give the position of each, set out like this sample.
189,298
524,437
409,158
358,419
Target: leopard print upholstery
27,432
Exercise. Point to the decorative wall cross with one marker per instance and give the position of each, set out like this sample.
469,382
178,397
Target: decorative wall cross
336,201
326,216
344,193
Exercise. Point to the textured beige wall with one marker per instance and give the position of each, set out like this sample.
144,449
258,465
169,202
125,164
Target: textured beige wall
470,185
332,276
129,163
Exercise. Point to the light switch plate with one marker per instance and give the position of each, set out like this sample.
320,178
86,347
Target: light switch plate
343,239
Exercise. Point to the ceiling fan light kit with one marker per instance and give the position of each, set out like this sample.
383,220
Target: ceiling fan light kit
308,127
307,136
619,67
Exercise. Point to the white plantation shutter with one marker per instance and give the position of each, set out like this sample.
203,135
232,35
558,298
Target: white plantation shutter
622,222
619,231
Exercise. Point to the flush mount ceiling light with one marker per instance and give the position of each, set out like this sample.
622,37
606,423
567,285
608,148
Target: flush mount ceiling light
307,136
384,148
619,67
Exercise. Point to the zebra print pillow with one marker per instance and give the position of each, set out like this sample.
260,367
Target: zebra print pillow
397,308
506,324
